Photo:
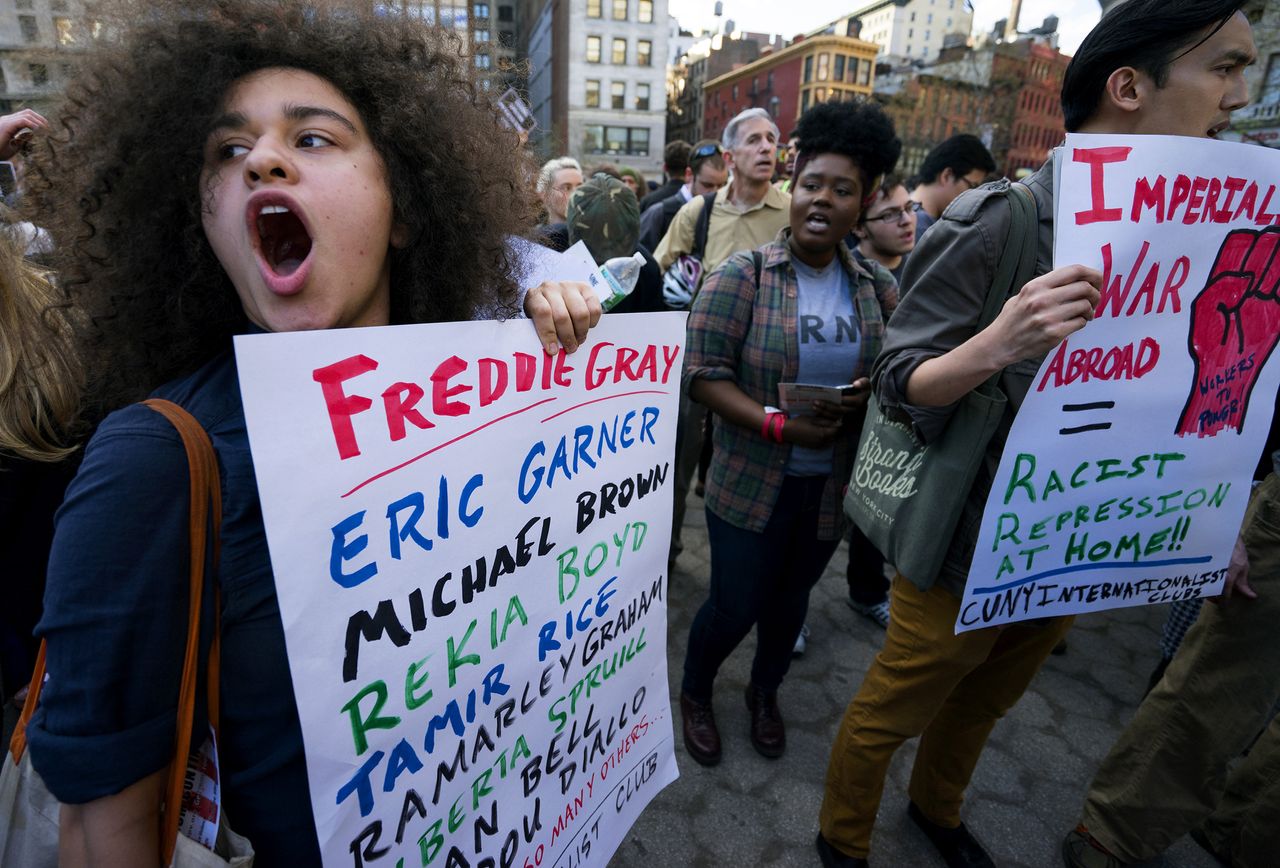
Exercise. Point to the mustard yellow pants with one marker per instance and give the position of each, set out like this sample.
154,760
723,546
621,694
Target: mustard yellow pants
926,681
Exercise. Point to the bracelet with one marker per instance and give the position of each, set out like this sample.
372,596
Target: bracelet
771,430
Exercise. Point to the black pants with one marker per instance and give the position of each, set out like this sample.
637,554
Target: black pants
761,580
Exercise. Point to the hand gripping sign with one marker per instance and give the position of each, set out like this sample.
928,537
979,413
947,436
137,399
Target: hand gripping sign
1127,469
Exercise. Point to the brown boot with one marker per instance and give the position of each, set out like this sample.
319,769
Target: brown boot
701,737
768,734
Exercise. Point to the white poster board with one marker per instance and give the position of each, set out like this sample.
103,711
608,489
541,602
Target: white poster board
469,540
1127,471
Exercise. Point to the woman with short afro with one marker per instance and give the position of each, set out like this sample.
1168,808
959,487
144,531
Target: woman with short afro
798,310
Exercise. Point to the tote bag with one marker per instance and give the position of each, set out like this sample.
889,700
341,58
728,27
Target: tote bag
907,496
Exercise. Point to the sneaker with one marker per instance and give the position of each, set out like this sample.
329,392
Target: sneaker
1080,850
801,641
878,612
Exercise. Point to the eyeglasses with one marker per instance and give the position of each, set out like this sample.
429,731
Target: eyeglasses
891,215
705,151
970,184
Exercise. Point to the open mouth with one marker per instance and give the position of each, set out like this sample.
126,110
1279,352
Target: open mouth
284,240
1214,130
817,222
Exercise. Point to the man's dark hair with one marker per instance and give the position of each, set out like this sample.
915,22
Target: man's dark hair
857,129
704,152
961,154
1148,35
675,157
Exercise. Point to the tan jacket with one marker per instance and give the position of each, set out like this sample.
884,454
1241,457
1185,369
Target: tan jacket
731,230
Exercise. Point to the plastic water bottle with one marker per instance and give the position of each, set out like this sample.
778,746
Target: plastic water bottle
618,278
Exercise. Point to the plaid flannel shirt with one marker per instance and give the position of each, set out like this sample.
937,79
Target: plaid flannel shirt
750,335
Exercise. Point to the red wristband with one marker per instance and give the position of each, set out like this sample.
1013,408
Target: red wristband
772,428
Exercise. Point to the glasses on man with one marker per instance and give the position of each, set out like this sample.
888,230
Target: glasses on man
970,184
704,151
891,215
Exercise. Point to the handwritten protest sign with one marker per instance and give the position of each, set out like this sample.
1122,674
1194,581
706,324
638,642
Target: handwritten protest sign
469,540
1126,474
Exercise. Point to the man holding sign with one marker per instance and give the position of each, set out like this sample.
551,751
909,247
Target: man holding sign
1182,77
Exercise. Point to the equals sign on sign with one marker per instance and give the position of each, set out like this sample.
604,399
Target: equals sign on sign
1081,408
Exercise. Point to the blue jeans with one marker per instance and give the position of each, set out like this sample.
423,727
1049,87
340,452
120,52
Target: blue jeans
761,579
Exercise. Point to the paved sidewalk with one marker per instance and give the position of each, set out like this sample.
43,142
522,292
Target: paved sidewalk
1024,797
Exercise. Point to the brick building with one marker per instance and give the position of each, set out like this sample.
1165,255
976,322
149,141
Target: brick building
787,82
1005,93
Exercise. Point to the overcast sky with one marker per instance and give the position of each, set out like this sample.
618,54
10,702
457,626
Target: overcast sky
777,16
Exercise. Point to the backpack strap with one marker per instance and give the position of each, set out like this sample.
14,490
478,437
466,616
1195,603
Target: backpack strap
703,226
1017,262
758,258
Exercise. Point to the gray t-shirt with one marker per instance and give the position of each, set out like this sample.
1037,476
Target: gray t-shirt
829,338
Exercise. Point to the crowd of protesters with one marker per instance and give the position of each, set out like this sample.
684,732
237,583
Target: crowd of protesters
171,132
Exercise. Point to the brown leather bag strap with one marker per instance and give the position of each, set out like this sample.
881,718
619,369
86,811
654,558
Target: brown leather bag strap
206,513
18,741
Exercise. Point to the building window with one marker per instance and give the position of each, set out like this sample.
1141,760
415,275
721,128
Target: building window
62,27
618,95
593,49
913,16
638,146
64,69
864,73
644,13
824,63
480,35
30,30
769,81
804,101
619,50
38,73
507,38
593,93
644,52
619,10
911,32
808,70
484,61
837,74
57,5
506,14
642,97
24,4
928,34
735,93
593,9
480,10
632,141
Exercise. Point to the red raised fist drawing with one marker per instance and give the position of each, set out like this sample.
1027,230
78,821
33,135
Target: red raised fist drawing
1235,323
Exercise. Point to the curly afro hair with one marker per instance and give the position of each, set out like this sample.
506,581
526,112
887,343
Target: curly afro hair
857,129
117,183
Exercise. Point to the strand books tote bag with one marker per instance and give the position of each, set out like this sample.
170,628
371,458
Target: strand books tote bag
907,496
29,812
